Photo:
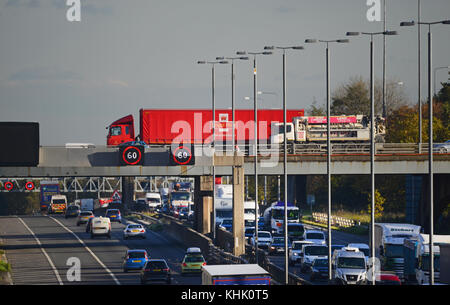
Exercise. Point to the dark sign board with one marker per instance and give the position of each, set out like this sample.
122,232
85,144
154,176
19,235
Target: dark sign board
131,155
181,155
19,144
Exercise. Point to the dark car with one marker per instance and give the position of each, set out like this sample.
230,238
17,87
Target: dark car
227,223
277,245
319,269
72,211
249,232
156,270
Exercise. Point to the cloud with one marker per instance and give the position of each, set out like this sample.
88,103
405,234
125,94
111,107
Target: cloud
40,74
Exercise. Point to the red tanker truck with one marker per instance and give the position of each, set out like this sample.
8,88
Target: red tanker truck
164,126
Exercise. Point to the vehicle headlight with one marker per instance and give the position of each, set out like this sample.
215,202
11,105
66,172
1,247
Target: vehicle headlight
295,254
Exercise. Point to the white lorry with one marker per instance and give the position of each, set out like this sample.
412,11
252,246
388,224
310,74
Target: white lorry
153,200
389,238
313,129
223,202
87,204
274,216
235,274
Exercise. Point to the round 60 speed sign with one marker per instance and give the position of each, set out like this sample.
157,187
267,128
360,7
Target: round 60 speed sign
182,155
29,185
8,185
131,155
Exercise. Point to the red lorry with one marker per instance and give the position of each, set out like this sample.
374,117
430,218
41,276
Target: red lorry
164,126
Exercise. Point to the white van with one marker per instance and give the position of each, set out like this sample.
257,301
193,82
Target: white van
153,200
349,267
101,226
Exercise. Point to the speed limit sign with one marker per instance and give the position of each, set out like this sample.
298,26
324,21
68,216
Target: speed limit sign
131,155
182,155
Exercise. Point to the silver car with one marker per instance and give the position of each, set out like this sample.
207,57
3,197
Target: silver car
442,147
134,230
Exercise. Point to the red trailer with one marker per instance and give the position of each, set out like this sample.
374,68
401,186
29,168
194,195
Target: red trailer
163,126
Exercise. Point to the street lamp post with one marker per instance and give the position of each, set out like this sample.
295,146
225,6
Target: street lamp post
285,222
213,80
255,136
327,60
430,134
372,142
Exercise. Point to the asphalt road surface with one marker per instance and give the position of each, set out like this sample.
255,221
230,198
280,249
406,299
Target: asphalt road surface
41,250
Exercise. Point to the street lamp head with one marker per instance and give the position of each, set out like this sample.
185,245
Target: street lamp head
243,57
310,40
390,33
446,22
343,40
407,23
220,58
269,47
267,53
201,62
223,62
241,53
352,33
298,48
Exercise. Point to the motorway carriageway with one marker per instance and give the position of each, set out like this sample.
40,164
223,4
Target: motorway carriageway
38,249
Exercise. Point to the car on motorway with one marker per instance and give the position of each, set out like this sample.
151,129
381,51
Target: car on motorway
319,269
296,231
336,247
249,231
72,211
84,216
277,245
388,279
184,213
134,259
310,253
442,147
349,267
227,224
264,239
193,261
134,143
100,226
316,236
114,215
134,230
156,270
296,250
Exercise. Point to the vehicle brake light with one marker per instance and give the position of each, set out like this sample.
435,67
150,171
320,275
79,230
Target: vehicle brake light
204,264
167,269
184,265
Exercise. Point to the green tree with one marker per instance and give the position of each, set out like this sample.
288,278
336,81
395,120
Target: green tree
379,204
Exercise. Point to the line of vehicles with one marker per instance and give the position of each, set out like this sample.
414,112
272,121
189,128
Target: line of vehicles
194,126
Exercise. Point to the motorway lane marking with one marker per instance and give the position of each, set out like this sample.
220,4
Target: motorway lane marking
44,252
89,250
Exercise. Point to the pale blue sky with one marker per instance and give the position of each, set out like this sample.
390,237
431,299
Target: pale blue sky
76,78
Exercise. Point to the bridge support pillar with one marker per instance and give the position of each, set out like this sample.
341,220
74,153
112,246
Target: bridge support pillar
203,204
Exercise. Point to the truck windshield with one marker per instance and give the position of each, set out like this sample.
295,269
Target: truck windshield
279,214
185,196
58,201
115,131
393,251
352,263
153,200
425,264
281,128
315,250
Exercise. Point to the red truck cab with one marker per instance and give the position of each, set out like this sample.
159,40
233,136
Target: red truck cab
121,131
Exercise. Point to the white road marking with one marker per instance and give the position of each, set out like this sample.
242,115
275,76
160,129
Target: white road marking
89,250
45,253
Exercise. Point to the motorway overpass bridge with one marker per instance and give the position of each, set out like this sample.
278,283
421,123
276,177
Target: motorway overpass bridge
104,162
